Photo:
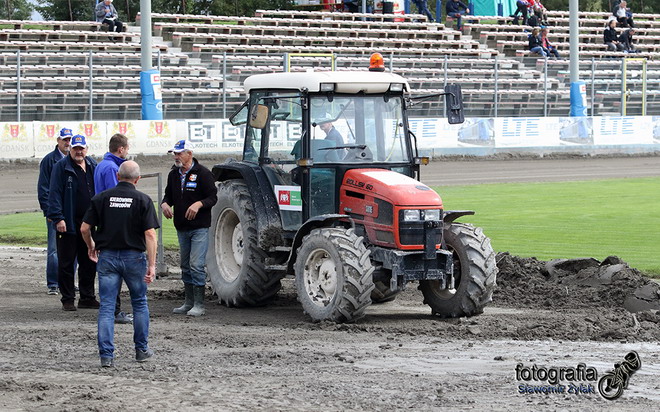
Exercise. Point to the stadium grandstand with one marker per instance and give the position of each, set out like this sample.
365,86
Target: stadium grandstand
75,71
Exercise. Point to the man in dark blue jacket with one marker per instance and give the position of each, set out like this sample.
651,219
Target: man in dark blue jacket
71,190
453,9
105,177
43,187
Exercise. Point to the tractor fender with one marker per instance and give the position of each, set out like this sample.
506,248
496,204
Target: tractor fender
449,216
315,222
269,225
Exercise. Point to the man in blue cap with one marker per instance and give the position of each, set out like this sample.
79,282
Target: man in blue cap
43,187
70,192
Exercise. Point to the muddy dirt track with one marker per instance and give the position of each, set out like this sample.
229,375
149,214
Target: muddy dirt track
552,315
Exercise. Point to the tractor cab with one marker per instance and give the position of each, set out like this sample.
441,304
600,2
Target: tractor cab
315,126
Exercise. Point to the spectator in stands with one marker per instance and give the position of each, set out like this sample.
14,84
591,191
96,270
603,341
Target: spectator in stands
611,37
423,8
626,41
535,43
107,14
540,13
623,14
453,9
547,46
351,6
522,5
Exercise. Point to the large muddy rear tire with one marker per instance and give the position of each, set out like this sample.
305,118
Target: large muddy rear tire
234,262
333,275
475,272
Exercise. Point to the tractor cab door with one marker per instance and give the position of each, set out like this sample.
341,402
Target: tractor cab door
273,127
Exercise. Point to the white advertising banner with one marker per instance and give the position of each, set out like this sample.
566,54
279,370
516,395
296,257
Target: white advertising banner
96,136
205,135
150,137
434,133
526,132
46,134
628,130
16,140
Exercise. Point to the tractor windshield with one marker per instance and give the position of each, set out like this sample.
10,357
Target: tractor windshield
357,129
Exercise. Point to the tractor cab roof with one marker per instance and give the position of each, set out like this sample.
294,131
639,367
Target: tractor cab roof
344,82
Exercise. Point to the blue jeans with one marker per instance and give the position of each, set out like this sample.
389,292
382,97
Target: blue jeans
457,16
51,256
539,50
113,266
193,245
422,8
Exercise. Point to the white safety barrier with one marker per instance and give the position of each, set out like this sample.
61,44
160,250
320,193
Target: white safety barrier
19,140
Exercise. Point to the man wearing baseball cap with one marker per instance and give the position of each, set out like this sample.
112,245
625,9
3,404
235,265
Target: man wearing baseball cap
43,185
191,191
71,190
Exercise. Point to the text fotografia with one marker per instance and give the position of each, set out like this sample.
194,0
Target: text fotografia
562,380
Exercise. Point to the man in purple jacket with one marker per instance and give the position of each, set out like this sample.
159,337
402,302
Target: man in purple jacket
105,177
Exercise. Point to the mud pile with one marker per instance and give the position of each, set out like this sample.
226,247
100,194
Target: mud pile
574,283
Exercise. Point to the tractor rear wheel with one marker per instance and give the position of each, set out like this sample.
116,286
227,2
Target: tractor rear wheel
475,272
333,275
234,261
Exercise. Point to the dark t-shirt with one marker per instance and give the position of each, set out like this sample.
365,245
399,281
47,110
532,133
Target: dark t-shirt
85,191
121,216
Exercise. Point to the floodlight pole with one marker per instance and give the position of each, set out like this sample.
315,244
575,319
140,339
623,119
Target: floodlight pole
152,98
578,88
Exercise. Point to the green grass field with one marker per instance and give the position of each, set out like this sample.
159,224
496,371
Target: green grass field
544,220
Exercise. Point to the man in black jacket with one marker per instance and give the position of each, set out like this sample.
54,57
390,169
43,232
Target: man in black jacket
453,9
191,191
611,37
70,192
43,187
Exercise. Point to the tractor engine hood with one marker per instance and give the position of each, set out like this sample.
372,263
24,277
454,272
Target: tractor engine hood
398,189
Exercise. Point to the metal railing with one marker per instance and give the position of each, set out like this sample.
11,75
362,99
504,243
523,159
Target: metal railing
500,86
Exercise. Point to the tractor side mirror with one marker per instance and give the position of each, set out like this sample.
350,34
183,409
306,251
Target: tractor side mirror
259,116
454,104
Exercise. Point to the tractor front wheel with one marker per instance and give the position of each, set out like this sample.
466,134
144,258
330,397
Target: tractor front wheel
475,271
333,275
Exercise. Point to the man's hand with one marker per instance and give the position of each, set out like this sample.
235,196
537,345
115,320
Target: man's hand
193,209
467,11
151,274
167,210
60,226
93,255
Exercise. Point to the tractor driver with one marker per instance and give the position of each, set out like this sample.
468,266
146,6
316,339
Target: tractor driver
331,133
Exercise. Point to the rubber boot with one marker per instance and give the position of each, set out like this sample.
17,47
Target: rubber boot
198,309
188,304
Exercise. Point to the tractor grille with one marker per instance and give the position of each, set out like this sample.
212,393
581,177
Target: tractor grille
413,233
385,212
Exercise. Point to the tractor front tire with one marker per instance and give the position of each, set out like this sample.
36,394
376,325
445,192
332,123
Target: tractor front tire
475,272
234,261
333,275
382,293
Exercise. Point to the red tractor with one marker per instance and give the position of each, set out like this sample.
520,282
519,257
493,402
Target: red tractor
328,190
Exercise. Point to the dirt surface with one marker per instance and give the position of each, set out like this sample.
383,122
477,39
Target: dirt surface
272,358
550,314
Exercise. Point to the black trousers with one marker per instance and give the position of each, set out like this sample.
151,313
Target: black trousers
69,248
114,23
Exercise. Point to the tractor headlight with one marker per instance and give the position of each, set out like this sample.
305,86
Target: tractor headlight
432,214
411,215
